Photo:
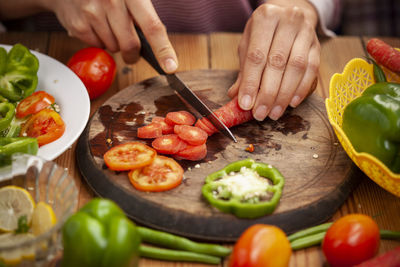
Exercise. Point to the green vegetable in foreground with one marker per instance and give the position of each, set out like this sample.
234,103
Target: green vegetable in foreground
371,122
225,191
18,72
11,145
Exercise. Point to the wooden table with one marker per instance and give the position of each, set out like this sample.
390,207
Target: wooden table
219,51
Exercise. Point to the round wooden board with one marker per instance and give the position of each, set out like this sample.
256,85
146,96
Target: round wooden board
302,145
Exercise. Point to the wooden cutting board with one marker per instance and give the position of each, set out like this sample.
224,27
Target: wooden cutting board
302,145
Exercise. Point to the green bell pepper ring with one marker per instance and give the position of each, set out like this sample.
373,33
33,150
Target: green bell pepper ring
371,122
100,234
7,113
11,145
18,72
247,202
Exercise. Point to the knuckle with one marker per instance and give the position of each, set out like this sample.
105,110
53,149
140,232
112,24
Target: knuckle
154,26
298,62
277,60
79,27
132,44
256,56
295,13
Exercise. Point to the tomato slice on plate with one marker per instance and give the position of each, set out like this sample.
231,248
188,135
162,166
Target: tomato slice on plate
166,128
128,156
162,174
193,153
191,134
34,103
168,144
180,117
152,130
46,126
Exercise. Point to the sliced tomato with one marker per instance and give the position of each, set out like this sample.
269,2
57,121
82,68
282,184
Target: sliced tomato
206,125
168,144
191,134
152,130
129,156
166,128
162,174
34,103
180,117
193,153
46,126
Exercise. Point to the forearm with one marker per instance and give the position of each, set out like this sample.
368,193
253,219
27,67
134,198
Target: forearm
13,9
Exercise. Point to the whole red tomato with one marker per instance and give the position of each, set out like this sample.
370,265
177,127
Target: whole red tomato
261,245
95,67
351,240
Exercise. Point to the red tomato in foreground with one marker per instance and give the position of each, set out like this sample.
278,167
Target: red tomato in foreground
46,126
95,67
351,240
261,245
34,103
162,174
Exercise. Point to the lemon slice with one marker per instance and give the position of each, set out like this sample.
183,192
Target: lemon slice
15,256
14,202
43,218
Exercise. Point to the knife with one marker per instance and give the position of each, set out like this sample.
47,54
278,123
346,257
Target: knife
184,91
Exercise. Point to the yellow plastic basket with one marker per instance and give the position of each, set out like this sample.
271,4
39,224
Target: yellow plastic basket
343,88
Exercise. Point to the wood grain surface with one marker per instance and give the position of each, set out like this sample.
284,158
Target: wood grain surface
318,174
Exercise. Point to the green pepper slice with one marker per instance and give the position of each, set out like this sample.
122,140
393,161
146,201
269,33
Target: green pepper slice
252,203
7,113
18,71
11,145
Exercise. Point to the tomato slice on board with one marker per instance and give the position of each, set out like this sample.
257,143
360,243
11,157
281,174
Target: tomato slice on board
206,125
162,174
129,156
34,103
180,117
166,128
168,144
152,130
193,153
192,135
46,126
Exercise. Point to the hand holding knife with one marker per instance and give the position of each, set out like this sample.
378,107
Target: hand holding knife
184,91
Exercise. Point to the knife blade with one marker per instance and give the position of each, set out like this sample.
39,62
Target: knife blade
184,91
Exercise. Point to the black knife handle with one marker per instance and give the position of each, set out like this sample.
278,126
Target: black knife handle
147,53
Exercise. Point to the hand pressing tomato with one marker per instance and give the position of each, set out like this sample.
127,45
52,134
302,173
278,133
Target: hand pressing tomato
351,240
34,103
46,126
162,174
261,245
95,67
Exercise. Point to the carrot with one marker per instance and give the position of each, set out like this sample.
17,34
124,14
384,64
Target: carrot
388,259
384,54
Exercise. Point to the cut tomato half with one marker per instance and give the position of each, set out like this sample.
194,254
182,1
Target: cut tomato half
152,130
166,128
193,153
191,134
34,103
46,126
129,156
180,117
162,174
168,144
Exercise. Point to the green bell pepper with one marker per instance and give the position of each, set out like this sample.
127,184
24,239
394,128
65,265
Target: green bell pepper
244,188
18,72
11,145
372,123
7,113
100,234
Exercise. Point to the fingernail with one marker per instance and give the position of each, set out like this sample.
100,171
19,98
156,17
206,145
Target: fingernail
170,65
295,101
275,113
245,102
261,113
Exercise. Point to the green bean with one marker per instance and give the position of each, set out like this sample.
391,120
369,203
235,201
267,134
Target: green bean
308,241
309,231
176,255
176,242
390,235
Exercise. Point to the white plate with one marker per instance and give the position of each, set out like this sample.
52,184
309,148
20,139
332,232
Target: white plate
72,97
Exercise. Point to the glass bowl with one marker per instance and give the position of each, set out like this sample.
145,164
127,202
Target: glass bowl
48,182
